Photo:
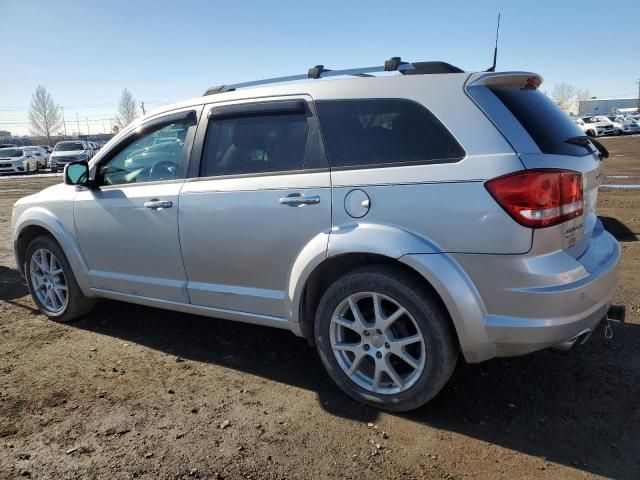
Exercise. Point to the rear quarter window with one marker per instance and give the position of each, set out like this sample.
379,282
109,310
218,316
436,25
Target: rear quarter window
547,125
384,132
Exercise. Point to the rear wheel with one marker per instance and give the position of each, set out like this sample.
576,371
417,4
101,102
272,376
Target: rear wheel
52,283
383,339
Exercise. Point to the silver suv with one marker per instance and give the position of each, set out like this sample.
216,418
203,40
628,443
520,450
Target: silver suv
393,220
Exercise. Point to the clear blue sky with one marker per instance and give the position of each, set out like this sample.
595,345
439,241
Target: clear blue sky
86,52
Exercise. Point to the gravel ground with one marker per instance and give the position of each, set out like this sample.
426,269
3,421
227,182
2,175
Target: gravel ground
137,392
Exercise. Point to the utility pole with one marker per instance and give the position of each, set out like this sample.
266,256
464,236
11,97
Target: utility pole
638,107
64,124
87,127
104,128
142,107
78,123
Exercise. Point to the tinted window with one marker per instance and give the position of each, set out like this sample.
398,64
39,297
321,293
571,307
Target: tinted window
384,132
144,160
260,144
547,125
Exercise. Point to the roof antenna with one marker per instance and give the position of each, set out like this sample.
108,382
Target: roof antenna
495,51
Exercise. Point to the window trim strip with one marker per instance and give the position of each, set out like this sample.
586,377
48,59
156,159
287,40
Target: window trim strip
282,107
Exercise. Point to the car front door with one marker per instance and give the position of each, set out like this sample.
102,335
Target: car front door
127,225
259,195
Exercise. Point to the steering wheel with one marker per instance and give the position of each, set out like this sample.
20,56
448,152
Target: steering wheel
164,170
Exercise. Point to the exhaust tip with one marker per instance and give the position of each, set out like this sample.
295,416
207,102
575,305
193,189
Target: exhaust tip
580,338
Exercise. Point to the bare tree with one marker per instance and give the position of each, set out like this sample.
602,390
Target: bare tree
564,94
127,109
583,94
44,114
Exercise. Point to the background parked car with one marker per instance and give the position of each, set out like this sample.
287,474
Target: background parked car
41,155
69,151
611,128
594,126
629,124
17,160
590,128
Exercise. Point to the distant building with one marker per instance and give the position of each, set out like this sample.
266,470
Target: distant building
605,106
4,135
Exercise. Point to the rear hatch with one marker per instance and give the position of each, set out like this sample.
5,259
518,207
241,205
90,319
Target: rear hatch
545,138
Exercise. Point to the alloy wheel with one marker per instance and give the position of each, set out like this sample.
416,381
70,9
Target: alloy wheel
48,281
377,343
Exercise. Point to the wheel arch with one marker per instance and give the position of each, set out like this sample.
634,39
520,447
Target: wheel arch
436,273
39,221
333,268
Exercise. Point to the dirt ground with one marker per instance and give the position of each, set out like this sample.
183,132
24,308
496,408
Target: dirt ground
137,392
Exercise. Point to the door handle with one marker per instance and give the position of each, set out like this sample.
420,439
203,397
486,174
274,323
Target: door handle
158,204
297,200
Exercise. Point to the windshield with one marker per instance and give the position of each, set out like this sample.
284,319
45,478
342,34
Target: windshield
68,147
11,152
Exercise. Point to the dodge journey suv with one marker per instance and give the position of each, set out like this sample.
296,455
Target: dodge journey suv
396,221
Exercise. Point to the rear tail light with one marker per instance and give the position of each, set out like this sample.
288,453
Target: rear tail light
539,198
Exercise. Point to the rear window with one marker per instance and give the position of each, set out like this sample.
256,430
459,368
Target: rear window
11,152
384,132
547,125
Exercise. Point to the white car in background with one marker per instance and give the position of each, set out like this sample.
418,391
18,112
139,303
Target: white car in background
629,124
597,126
69,151
17,160
42,156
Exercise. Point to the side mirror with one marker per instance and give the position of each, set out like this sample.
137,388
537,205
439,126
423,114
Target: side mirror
76,173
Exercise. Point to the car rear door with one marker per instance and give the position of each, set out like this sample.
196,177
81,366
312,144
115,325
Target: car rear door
257,195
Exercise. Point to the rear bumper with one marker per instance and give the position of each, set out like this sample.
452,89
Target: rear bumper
508,305
536,302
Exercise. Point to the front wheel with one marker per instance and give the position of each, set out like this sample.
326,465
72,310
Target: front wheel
52,283
384,339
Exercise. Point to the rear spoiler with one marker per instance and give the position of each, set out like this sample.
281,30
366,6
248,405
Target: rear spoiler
502,78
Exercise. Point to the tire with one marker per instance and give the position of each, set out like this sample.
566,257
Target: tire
27,170
76,304
618,132
435,354
591,133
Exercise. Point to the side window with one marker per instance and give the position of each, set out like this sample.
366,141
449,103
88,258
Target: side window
255,144
154,156
384,132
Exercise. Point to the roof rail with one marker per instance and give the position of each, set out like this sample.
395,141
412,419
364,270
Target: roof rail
391,65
